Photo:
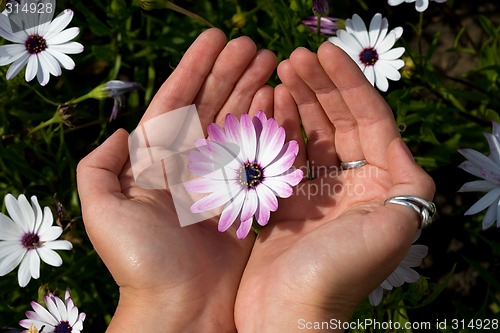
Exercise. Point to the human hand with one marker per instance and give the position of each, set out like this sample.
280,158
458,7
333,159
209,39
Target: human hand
333,242
174,279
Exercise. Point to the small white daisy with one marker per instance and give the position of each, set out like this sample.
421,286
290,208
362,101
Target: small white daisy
420,5
403,273
487,168
42,49
372,48
61,317
28,236
244,166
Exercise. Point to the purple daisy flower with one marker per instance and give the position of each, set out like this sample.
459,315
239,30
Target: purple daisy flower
60,316
327,25
244,166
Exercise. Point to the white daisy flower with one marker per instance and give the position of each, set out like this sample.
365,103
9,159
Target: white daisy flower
403,273
42,48
372,48
61,317
28,236
244,166
420,5
487,168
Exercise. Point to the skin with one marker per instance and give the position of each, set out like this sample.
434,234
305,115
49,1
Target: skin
317,259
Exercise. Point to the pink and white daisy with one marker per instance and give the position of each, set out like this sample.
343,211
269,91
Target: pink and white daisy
372,49
403,273
42,48
244,166
59,317
28,236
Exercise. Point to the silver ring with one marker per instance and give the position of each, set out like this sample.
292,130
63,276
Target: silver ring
352,165
425,209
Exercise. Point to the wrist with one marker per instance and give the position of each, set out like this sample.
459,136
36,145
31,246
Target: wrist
286,315
168,313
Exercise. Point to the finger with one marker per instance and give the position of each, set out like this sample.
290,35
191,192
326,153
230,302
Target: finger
376,125
227,70
98,173
408,178
308,68
287,116
182,86
252,79
263,100
319,131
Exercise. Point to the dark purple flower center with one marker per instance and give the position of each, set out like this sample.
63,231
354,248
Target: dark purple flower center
63,327
251,175
35,44
31,241
369,56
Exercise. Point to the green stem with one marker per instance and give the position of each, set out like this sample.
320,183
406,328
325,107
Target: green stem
318,25
54,120
186,12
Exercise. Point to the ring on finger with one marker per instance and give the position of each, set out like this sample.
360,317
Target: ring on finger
425,209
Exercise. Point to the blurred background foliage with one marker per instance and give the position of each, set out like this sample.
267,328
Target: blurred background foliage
447,98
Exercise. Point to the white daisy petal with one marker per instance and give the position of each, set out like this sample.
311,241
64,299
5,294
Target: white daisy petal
231,211
34,263
49,62
31,68
42,74
375,29
69,48
59,23
58,245
421,5
490,216
20,211
49,256
375,296
24,272
11,261
9,230
380,78
63,36
478,186
16,67
359,30
45,315
51,234
249,205
488,199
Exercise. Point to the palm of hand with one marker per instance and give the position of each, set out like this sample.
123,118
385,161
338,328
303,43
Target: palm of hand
152,253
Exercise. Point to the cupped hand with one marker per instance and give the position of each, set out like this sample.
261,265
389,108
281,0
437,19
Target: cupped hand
331,243
172,277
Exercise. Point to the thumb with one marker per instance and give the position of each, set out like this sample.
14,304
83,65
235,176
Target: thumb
98,173
408,178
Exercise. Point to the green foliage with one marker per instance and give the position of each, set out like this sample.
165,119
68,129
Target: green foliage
439,107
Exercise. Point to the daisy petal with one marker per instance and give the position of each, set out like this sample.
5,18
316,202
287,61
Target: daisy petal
488,199
49,256
231,211
244,229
